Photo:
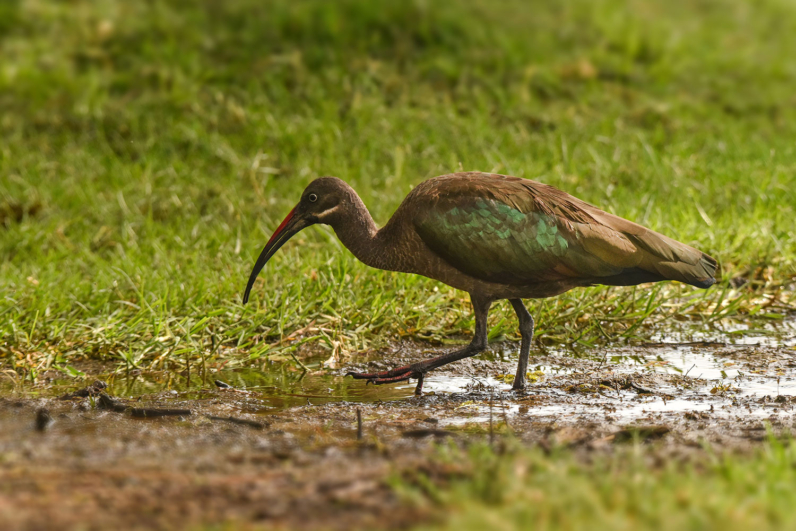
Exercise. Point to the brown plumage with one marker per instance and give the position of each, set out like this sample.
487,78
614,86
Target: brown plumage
496,237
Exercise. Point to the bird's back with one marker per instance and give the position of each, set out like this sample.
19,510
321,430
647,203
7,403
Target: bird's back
517,232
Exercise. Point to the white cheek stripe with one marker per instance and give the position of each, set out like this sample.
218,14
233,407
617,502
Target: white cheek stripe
326,212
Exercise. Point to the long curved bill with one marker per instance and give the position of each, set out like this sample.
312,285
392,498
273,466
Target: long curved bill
289,226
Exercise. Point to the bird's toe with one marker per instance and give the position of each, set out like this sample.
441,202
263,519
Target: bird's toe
361,375
379,375
392,379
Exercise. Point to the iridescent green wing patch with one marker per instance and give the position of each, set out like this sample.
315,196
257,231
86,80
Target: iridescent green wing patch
495,241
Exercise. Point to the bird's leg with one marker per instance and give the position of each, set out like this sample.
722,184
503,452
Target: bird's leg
418,370
526,331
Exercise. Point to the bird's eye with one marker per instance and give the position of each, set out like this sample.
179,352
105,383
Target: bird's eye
312,198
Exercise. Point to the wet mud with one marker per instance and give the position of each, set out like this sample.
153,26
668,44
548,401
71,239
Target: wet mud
312,449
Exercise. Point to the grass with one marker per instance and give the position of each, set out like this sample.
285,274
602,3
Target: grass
149,148
629,489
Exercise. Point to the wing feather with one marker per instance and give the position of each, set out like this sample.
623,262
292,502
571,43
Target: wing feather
517,231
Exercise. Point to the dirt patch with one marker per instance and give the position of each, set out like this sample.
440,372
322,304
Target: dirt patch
92,468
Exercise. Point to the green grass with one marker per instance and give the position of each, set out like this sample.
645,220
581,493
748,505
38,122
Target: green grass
149,148
626,490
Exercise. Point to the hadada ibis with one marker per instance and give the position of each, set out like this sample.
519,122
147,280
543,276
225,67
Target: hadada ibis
495,237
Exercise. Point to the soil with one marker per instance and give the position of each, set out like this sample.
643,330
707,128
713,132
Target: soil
282,449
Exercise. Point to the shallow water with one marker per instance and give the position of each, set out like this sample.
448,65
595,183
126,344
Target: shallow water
706,356
700,355
279,388
771,332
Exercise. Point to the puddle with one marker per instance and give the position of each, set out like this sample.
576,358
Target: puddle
740,366
772,333
723,379
704,365
279,388
734,379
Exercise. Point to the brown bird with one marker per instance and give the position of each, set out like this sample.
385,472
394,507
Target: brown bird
495,237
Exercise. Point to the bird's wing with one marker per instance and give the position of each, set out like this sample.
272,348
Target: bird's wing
516,231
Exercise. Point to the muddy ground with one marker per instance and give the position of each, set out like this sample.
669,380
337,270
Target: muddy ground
282,447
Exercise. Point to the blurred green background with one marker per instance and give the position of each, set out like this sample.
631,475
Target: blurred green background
149,148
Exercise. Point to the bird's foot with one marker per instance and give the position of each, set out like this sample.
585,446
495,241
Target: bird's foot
519,382
400,374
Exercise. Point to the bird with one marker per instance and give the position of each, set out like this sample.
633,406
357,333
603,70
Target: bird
495,237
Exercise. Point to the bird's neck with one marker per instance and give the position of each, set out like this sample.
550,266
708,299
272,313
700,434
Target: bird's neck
359,233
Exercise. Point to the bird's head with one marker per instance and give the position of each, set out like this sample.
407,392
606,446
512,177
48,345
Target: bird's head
321,202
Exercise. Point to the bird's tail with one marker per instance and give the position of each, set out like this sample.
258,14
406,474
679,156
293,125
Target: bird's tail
672,260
